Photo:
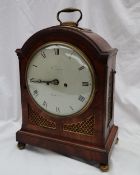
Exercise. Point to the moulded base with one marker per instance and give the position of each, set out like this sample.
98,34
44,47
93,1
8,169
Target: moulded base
68,148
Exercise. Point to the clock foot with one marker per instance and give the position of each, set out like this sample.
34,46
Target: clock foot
104,167
21,145
117,140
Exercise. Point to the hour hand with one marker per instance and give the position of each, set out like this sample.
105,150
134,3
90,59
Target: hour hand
54,81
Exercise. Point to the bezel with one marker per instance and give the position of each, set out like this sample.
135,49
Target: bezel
86,60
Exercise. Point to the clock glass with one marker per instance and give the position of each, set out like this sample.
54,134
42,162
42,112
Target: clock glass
60,79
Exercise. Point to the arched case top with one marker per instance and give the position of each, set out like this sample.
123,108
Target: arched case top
82,38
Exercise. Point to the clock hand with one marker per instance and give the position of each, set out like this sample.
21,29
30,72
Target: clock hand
33,80
54,82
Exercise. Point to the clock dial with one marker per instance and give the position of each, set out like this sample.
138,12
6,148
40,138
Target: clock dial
60,79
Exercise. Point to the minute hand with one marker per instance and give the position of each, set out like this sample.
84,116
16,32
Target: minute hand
54,81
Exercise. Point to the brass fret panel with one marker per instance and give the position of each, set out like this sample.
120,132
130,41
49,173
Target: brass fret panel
39,120
85,127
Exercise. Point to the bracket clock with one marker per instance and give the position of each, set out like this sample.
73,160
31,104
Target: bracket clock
67,86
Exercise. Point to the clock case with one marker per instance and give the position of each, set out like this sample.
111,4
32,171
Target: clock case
89,135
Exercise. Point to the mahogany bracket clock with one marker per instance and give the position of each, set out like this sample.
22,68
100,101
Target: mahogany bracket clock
67,86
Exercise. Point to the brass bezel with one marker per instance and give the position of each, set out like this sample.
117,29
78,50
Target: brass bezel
85,58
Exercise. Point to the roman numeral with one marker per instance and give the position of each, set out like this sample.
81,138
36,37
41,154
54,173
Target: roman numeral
45,104
81,68
85,83
81,98
56,51
71,108
71,54
57,109
34,65
43,54
35,93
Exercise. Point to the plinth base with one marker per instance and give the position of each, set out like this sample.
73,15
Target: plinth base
68,148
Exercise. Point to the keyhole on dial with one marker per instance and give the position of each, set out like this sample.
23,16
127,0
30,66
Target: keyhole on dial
65,85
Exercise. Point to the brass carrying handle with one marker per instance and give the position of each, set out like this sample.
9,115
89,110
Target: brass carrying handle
69,10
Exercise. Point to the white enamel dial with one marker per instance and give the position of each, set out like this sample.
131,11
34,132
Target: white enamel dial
60,79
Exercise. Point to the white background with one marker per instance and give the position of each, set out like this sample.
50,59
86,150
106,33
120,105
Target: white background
118,21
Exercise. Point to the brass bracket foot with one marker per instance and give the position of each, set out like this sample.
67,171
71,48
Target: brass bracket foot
21,145
104,167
